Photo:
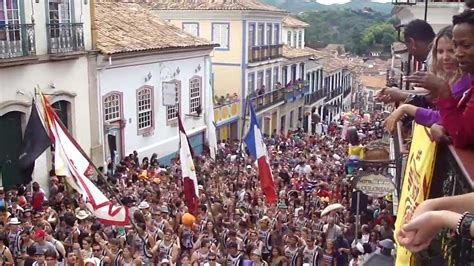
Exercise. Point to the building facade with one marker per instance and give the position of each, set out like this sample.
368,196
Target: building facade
43,45
139,75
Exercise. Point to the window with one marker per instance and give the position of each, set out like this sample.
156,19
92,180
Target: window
260,37
251,83
269,34
191,28
292,114
300,112
195,94
251,35
295,39
268,79
302,71
220,35
275,76
62,109
259,80
284,76
172,111
300,39
112,107
59,13
276,34
144,108
288,38
9,14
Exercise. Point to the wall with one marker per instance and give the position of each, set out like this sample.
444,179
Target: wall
127,78
70,79
227,79
439,14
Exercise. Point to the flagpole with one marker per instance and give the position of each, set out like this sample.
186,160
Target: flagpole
107,185
246,103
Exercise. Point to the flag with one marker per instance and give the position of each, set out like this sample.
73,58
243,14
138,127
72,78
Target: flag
35,141
258,150
211,127
191,192
71,162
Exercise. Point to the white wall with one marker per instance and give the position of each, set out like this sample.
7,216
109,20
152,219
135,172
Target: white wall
293,32
70,77
439,14
128,78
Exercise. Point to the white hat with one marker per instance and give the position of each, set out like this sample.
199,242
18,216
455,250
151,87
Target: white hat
82,214
14,220
200,187
249,167
143,205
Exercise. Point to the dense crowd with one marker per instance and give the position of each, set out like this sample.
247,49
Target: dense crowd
234,225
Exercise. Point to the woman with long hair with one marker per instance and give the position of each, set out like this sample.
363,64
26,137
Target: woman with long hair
445,68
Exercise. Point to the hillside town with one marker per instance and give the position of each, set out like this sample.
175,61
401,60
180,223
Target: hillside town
213,132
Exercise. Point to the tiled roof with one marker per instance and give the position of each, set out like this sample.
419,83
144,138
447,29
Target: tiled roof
215,5
293,22
374,82
399,47
129,27
291,52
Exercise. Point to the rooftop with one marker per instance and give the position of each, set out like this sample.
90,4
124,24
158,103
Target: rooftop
129,27
293,22
292,53
215,5
373,82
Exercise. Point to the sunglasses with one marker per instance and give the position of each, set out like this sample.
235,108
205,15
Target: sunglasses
211,259
97,250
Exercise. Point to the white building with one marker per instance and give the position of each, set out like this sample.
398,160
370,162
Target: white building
42,43
439,15
141,57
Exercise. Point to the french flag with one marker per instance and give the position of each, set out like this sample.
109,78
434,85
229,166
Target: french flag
258,150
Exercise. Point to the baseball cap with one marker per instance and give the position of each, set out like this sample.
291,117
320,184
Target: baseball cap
39,233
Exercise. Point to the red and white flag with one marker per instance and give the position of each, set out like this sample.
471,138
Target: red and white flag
71,162
190,183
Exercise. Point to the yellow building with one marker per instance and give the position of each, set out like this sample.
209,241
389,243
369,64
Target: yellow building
248,61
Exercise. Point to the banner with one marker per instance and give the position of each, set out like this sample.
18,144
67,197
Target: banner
416,184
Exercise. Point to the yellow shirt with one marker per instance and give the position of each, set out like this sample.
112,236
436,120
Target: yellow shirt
356,151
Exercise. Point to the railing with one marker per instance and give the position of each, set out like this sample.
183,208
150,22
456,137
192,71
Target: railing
17,40
226,111
314,97
268,99
453,175
334,93
65,38
265,52
347,92
296,91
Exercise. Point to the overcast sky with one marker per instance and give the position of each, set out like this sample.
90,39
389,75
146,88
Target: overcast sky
328,2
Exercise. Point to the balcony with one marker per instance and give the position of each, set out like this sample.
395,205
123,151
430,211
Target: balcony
17,44
347,92
296,90
334,93
226,112
265,52
268,99
453,175
314,97
65,40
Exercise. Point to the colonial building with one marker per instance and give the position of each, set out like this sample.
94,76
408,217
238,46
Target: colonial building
142,62
42,44
247,62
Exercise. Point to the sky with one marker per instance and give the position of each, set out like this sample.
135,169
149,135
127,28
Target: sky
329,2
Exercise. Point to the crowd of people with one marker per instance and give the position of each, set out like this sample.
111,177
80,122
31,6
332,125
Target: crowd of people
233,225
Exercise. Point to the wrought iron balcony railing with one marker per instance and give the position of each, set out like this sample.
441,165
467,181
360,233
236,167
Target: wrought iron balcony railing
17,40
268,99
64,38
265,52
314,97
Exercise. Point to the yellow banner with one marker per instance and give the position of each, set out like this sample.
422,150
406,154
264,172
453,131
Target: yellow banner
416,184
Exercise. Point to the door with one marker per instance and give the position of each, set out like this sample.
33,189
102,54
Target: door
10,32
274,121
234,131
59,15
267,121
10,146
197,142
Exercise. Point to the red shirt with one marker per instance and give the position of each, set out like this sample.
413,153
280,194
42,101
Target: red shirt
37,201
458,118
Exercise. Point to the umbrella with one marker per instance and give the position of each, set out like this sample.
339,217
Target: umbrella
332,207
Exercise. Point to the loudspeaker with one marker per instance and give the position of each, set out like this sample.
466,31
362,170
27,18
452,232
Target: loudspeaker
363,199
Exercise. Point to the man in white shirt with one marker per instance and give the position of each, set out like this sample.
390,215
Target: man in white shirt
303,168
331,229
